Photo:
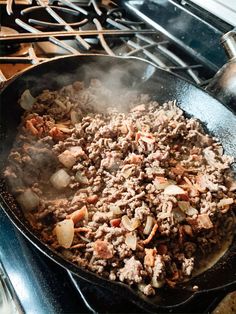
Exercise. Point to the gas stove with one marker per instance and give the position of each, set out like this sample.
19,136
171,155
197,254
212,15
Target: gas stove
172,47
178,36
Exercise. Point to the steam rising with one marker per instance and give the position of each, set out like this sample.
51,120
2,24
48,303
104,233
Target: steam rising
113,86
121,83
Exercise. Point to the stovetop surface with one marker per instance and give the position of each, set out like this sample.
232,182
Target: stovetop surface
179,44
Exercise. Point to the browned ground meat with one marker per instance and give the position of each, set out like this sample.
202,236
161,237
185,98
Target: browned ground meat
139,196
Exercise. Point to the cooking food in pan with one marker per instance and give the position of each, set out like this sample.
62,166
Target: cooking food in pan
142,195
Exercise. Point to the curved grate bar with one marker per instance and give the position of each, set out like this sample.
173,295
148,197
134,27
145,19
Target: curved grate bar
116,24
2,78
173,57
61,25
36,8
100,16
96,8
32,55
181,65
139,48
74,6
67,27
53,40
102,39
148,53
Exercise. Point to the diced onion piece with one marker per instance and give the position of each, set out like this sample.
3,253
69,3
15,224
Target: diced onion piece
67,158
81,178
149,225
225,202
173,190
135,223
232,186
65,232
209,156
115,209
161,186
126,222
131,241
127,171
27,100
138,125
148,140
157,283
28,200
191,211
77,126
130,225
179,215
60,179
184,206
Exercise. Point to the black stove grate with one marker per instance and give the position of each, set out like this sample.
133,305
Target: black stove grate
69,16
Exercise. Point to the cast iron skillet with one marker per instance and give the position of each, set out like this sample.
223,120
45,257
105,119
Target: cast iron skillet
162,86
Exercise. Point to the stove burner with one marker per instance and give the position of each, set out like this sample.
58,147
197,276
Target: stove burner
63,16
11,49
68,16
6,49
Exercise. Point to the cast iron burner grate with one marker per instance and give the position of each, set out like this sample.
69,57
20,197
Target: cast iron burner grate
100,16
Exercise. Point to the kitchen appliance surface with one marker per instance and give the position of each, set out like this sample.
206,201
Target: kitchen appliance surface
225,10
46,277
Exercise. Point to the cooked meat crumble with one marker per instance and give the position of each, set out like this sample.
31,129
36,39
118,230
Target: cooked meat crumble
140,196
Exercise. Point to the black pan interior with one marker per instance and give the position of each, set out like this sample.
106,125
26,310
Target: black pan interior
146,78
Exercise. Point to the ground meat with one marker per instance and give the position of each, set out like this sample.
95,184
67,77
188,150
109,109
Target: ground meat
131,273
143,194
158,271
